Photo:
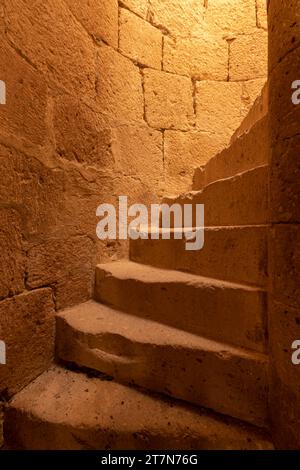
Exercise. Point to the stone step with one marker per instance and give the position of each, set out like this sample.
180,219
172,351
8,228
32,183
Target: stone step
239,200
226,312
236,254
247,152
229,380
68,410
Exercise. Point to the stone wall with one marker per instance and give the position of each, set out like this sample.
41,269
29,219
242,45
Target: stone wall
104,98
284,304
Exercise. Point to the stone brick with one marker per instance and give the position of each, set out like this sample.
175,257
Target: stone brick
67,265
212,99
27,327
33,189
250,91
184,151
140,7
80,134
284,377
285,264
55,43
231,16
168,100
138,152
99,18
248,56
204,59
139,40
261,14
119,86
178,17
284,30
24,113
12,267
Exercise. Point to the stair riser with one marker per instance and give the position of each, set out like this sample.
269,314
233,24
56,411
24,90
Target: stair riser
247,152
237,254
242,200
231,384
235,316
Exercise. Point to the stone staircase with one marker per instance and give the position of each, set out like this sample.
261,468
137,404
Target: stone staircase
172,351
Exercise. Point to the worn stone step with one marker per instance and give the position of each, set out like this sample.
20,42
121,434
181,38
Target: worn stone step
68,410
239,200
226,312
248,151
230,380
237,254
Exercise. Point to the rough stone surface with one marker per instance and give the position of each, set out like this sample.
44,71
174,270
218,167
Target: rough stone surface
166,360
12,267
237,254
100,19
80,135
119,86
231,16
183,151
34,419
139,40
261,14
204,58
245,153
168,100
211,100
137,289
25,111
232,201
248,56
179,19
27,327
67,265
140,7
57,45
139,152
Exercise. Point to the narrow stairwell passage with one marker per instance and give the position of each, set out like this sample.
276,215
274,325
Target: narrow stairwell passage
172,352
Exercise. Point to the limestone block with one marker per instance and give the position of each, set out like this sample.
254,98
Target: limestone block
284,29
168,100
285,264
138,152
55,43
119,86
261,14
140,7
99,18
230,16
12,266
203,58
68,265
34,190
80,134
183,151
139,40
178,17
24,113
27,327
218,106
248,56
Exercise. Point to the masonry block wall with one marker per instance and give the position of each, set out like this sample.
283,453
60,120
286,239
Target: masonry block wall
284,304
104,98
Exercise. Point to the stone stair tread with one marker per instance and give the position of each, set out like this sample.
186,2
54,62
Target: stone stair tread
97,319
125,270
62,409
